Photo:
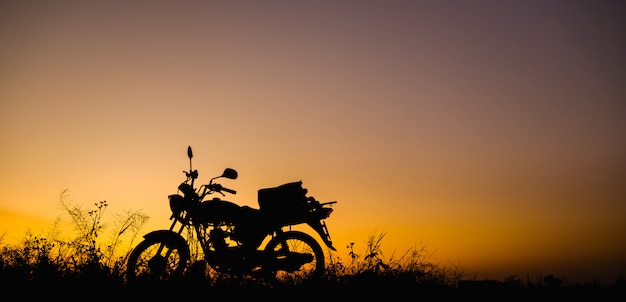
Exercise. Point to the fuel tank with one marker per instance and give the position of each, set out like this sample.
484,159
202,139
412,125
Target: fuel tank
217,210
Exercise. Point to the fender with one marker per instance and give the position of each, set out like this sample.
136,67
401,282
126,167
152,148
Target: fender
320,227
167,237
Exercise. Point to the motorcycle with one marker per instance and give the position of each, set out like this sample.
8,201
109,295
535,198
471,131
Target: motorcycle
235,240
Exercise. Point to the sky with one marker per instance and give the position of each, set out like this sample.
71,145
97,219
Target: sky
491,133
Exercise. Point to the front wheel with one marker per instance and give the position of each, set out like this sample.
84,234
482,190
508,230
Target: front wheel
161,257
293,257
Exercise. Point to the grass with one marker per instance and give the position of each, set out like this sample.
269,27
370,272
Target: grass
92,262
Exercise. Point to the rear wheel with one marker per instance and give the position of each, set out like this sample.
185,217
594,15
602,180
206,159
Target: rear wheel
294,258
158,258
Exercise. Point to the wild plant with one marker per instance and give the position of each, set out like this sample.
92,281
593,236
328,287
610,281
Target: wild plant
415,266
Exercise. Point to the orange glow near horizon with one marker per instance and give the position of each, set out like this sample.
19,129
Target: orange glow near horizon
493,135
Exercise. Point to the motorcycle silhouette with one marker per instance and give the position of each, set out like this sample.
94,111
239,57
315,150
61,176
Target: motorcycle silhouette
235,240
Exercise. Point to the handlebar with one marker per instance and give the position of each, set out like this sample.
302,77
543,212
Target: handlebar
208,188
231,191
217,188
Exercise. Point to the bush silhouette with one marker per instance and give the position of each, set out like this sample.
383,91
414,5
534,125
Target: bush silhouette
90,260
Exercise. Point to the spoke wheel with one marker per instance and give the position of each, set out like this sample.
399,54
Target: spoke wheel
157,258
294,258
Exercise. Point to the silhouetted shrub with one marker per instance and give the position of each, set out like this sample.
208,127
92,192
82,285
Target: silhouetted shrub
48,262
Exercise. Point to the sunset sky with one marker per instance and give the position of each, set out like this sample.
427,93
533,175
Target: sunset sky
492,132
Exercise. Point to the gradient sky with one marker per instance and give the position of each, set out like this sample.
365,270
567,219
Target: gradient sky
491,132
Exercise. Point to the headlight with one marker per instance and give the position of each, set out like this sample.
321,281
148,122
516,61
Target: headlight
179,203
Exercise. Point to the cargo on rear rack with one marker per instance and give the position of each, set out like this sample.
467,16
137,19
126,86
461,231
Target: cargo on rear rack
285,204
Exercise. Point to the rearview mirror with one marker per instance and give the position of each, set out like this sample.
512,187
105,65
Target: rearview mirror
189,152
230,173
